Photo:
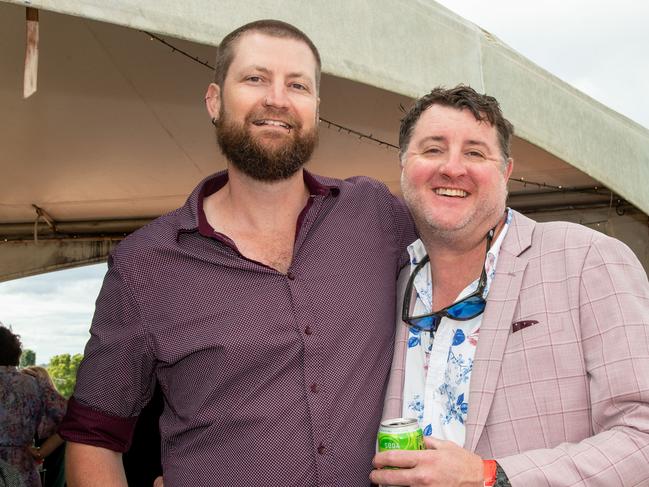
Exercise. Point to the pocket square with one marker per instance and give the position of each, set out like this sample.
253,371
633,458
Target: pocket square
519,325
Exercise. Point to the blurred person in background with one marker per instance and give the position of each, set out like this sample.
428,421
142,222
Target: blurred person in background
51,450
9,476
29,408
143,462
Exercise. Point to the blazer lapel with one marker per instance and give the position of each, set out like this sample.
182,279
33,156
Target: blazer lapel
496,322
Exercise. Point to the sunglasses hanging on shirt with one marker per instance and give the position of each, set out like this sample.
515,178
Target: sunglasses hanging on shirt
465,309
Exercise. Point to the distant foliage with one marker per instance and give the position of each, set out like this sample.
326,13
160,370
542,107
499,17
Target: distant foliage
63,370
28,358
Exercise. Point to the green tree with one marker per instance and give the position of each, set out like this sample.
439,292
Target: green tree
63,370
28,358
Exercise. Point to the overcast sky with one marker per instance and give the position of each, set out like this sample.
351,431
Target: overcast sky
598,46
52,312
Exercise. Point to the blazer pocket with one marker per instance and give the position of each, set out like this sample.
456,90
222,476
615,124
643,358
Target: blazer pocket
534,335
521,325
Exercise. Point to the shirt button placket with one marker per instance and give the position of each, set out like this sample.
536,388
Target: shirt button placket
311,363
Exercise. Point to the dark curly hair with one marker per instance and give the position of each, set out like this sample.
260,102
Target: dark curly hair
10,347
461,97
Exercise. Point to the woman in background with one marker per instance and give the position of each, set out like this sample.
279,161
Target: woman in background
29,408
51,450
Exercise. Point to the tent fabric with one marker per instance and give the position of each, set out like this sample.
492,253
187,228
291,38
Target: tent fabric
364,41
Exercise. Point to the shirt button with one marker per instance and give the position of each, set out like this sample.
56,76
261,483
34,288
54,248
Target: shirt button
308,331
314,388
321,448
290,275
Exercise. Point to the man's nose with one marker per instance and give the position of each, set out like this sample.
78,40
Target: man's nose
453,165
276,96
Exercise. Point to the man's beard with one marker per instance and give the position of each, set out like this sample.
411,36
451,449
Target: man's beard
258,161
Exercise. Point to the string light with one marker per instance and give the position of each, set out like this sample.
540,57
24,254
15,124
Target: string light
359,134
566,189
173,48
388,145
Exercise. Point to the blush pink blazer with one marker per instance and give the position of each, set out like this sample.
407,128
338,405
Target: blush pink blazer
559,391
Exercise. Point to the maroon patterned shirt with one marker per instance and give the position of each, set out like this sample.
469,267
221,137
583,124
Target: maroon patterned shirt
269,379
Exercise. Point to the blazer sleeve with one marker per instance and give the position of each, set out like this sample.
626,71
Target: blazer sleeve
393,403
614,327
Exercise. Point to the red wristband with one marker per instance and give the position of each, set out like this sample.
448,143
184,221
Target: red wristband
489,472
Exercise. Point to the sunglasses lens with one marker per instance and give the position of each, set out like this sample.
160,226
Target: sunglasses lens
467,309
425,322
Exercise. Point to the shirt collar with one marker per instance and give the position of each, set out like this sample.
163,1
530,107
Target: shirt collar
423,283
192,217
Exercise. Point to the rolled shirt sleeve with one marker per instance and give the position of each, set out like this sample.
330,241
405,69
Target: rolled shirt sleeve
115,379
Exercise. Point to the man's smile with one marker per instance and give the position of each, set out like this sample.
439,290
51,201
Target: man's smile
272,123
454,192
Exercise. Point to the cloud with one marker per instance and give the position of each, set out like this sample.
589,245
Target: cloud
52,312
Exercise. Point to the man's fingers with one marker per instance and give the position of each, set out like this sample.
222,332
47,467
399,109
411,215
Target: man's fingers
158,482
432,443
408,463
396,458
390,477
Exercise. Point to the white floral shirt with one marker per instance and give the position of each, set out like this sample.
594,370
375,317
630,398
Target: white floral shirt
438,372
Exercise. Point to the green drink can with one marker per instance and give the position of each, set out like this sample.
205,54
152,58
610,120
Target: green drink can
400,434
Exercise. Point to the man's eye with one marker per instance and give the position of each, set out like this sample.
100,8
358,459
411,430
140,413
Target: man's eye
475,154
299,86
254,79
433,150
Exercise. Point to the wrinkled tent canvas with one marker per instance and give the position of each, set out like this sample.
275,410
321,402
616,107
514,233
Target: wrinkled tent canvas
116,133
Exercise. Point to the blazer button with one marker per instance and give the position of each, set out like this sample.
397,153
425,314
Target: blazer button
314,388
321,449
308,330
290,275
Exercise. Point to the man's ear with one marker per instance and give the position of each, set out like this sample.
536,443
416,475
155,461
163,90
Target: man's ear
509,168
213,101
402,160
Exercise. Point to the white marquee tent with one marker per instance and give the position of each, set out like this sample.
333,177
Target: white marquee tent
116,133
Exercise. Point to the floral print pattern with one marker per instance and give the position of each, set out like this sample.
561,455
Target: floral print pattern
29,407
438,372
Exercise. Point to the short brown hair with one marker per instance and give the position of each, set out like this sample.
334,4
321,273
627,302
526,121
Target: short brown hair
10,347
461,97
273,28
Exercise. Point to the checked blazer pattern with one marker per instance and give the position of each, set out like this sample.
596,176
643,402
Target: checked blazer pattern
559,392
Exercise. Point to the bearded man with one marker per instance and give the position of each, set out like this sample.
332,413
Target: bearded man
262,308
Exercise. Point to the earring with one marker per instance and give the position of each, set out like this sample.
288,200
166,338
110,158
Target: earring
215,121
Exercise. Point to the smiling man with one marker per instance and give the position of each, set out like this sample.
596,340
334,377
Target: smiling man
262,308
522,349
